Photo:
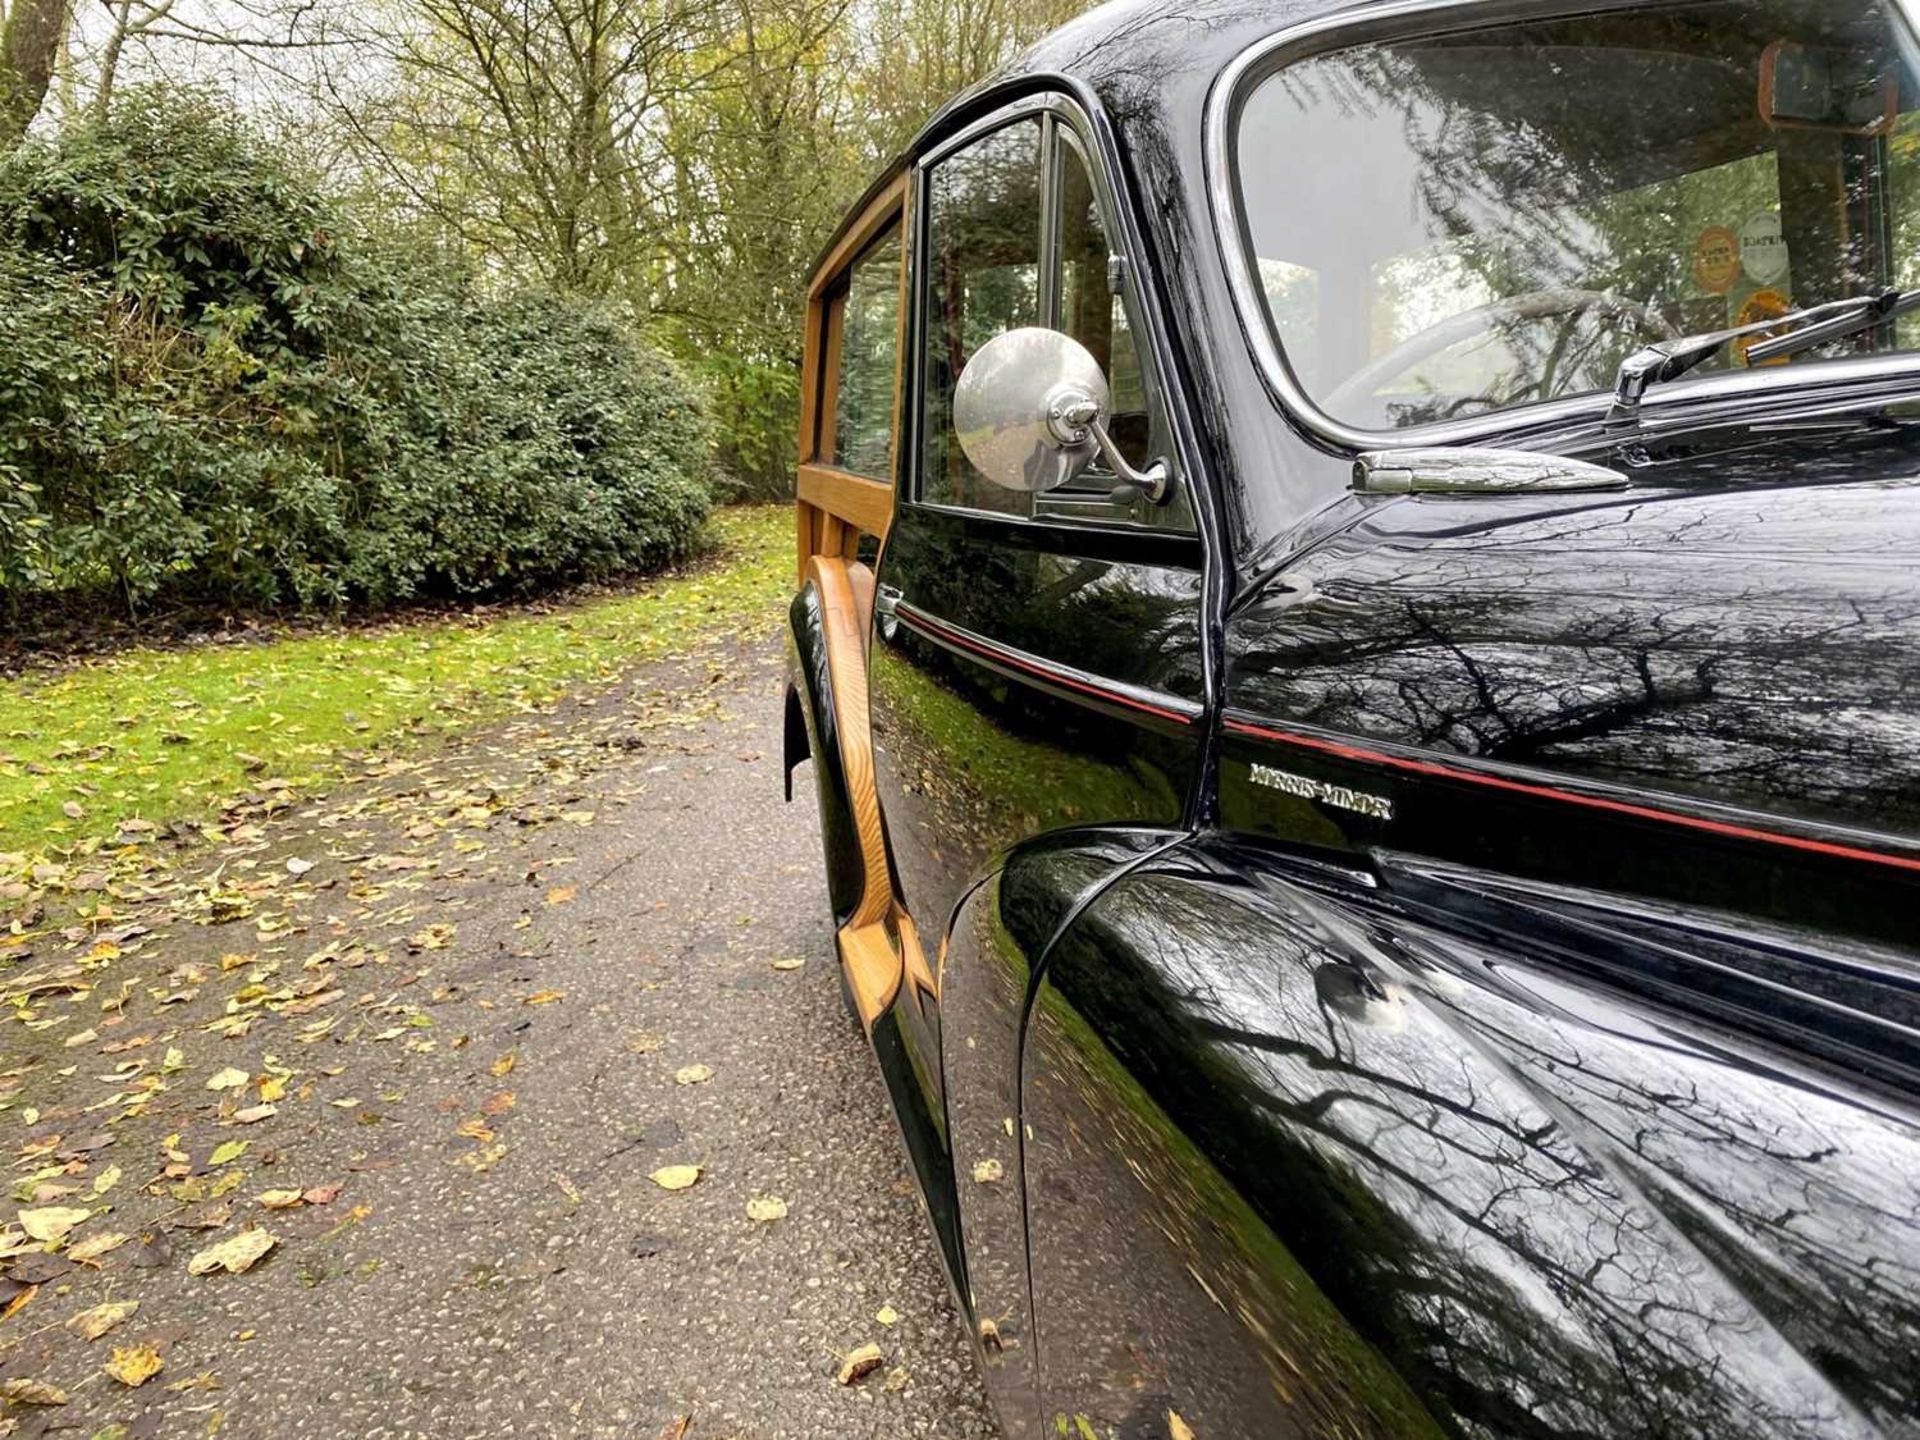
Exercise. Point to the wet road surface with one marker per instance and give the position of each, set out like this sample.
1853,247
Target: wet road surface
467,1001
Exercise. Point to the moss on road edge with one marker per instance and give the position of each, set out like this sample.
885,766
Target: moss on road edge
109,750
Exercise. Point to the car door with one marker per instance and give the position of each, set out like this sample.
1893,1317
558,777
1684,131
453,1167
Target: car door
1035,671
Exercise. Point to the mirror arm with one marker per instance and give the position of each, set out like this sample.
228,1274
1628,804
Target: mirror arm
1074,417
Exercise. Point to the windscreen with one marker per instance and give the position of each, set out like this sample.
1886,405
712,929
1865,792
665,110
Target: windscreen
1444,226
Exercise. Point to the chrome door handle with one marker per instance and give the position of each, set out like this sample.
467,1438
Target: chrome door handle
886,608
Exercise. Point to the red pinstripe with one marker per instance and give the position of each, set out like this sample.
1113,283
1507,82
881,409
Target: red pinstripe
1572,797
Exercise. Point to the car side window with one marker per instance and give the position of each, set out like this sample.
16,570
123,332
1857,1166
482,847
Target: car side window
863,349
1016,237
983,277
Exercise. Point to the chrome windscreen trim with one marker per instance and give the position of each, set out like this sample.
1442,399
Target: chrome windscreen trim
1352,27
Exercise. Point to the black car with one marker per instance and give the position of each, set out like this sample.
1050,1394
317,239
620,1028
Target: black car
1359,636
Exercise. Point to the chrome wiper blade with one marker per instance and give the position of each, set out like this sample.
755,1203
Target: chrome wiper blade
1868,311
1666,360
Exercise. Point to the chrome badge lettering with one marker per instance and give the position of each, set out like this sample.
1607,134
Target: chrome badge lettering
1338,796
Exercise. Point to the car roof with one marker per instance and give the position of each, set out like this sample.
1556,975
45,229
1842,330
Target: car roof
1113,43
1120,43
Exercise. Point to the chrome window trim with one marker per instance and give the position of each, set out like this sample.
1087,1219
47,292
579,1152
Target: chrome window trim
1045,103
1049,222
1346,28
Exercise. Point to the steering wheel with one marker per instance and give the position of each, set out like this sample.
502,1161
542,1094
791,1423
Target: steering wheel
1365,383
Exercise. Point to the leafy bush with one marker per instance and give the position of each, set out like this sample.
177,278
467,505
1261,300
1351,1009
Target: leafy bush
755,407
211,388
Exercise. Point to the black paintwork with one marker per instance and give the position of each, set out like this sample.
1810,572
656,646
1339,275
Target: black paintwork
1550,1207
1576,1098
810,693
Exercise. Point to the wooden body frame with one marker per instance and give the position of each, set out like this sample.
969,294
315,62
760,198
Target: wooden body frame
833,509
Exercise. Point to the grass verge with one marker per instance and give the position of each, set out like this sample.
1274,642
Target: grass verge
155,735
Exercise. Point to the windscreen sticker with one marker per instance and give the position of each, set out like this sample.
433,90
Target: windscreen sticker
1716,259
1763,249
1762,305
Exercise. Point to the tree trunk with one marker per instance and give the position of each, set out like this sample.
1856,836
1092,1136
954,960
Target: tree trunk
29,44
110,59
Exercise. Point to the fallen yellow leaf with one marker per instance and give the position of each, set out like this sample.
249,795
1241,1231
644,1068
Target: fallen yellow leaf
237,1254
135,1365
692,1074
985,1172
790,962
503,1066
562,894
227,1079
887,1315
544,997
32,1392
52,1222
766,1208
1178,1429
861,1362
91,1324
676,1177
85,1252
280,1199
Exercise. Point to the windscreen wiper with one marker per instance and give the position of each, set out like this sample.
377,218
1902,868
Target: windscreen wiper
1788,334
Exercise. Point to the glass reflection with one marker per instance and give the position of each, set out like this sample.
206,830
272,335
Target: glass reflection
983,277
1749,646
867,322
1553,1213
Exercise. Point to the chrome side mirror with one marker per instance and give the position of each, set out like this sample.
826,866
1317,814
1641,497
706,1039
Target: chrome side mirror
1031,413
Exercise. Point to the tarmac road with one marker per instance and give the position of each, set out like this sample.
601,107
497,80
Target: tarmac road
520,944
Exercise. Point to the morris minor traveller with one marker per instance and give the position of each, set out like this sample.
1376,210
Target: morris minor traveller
1358,635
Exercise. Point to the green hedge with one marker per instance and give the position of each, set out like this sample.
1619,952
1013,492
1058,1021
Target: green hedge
213,389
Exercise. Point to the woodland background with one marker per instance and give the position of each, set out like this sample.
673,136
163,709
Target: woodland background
328,302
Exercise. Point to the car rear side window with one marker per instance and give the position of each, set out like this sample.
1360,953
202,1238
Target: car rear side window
863,360
983,277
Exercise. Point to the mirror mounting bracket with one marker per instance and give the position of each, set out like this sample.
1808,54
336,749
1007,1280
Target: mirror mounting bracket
1074,416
